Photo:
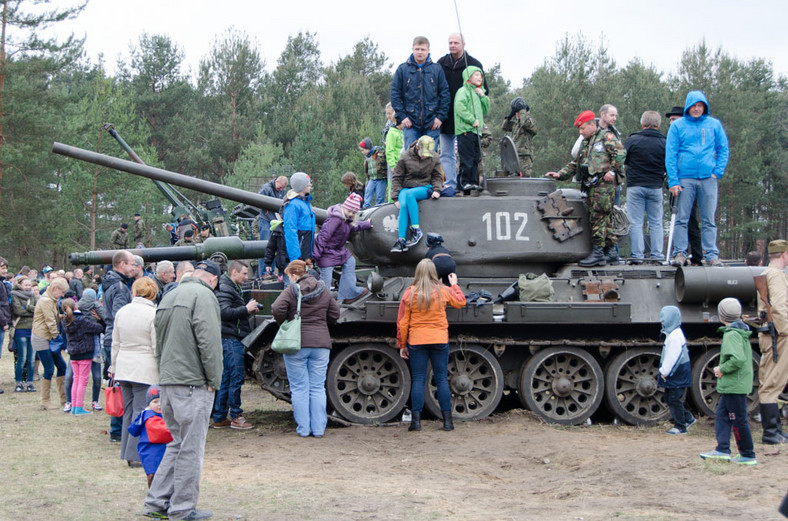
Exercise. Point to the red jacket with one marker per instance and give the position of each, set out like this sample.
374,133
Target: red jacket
418,327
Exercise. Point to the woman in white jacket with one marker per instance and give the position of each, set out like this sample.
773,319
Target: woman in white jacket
133,358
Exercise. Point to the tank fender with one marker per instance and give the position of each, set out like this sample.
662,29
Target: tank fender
261,336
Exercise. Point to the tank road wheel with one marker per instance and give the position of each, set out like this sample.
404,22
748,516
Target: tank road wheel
631,388
704,383
562,385
368,383
475,382
269,368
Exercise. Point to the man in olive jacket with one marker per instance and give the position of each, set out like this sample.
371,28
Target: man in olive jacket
189,352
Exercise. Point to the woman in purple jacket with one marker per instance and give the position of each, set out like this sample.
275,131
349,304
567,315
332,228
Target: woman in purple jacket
329,249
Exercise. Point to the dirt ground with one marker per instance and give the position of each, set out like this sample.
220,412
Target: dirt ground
510,466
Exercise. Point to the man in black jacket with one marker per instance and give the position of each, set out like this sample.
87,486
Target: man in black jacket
235,325
453,64
645,178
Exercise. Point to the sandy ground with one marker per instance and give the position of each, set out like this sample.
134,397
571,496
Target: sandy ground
510,466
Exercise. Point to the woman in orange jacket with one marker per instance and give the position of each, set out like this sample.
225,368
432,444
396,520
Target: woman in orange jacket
423,336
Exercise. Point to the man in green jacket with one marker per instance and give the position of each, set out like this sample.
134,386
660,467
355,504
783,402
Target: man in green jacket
189,352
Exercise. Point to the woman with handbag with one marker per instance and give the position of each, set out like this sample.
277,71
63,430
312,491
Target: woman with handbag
423,336
133,358
43,331
23,304
306,369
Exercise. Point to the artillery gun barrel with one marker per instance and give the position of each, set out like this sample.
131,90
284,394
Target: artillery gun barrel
234,194
232,247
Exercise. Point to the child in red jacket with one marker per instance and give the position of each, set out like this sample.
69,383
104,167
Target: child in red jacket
153,433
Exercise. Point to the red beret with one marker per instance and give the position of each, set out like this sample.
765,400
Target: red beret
585,116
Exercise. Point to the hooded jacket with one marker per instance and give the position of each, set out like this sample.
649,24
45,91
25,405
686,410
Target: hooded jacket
469,106
23,304
81,336
453,70
674,367
330,247
318,309
299,226
413,171
235,316
735,359
696,147
276,250
420,93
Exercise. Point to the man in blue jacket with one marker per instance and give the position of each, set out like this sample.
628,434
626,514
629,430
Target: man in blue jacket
420,94
695,159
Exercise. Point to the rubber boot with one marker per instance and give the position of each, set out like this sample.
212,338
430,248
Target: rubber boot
611,255
448,424
770,419
596,258
415,421
61,389
510,293
46,387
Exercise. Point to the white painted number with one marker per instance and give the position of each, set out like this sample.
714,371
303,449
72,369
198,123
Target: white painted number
503,226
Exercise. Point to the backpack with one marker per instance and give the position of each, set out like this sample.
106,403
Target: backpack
379,155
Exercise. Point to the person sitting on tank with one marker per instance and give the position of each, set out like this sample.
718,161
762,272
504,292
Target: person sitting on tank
330,250
299,218
441,257
417,172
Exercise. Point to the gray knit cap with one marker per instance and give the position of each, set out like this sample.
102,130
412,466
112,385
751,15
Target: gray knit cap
299,181
729,310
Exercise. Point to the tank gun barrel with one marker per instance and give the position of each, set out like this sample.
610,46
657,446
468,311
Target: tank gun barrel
185,181
232,247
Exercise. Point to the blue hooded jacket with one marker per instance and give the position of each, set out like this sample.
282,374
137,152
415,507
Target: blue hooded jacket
697,148
299,227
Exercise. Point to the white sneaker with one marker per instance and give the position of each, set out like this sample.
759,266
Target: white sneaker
67,407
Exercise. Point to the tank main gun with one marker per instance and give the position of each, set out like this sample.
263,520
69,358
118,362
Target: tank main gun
227,192
230,247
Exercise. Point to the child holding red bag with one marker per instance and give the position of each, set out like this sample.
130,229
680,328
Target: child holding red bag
153,433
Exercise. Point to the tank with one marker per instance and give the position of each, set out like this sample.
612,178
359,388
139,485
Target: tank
597,343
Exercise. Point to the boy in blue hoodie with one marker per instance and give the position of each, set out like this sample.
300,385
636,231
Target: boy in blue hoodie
734,383
675,374
153,433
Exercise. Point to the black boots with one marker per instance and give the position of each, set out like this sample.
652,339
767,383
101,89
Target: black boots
772,424
611,255
596,258
415,421
448,425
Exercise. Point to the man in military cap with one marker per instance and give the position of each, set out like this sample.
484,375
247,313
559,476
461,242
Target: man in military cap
140,232
187,239
523,128
774,375
599,165
119,238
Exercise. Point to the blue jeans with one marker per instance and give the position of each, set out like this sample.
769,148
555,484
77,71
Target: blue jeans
705,192
732,414
411,134
52,361
306,373
649,200
68,381
438,355
409,208
376,189
265,234
347,280
229,394
95,374
24,358
449,158
681,416
2,339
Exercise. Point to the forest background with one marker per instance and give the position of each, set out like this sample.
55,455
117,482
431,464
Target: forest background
241,121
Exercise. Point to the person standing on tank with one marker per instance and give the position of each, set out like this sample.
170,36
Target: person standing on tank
299,218
453,65
423,337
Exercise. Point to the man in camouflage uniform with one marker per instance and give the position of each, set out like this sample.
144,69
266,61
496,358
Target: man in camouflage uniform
603,154
140,232
523,131
774,375
119,238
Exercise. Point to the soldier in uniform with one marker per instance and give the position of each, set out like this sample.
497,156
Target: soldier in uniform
187,239
599,165
119,238
774,375
140,232
523,131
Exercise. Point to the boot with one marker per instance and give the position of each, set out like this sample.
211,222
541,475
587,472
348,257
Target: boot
61,389
770,419
611,255
596,258
46,387
415,421
448,425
